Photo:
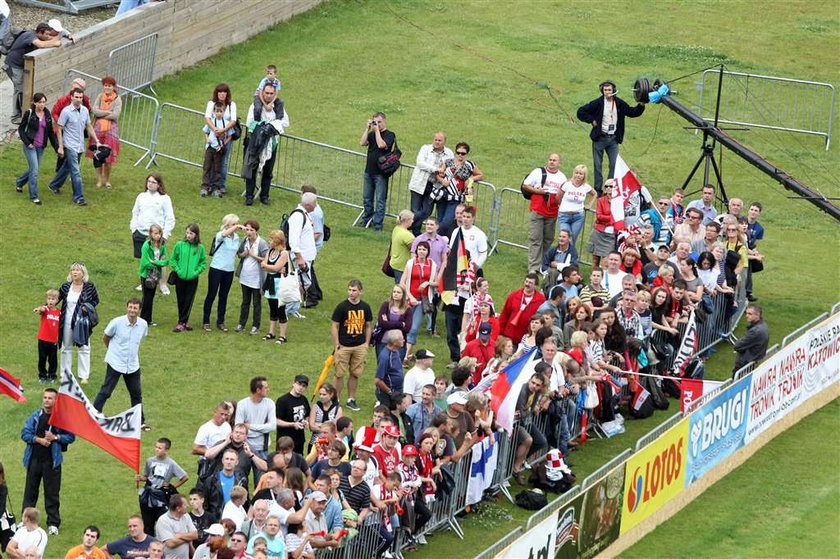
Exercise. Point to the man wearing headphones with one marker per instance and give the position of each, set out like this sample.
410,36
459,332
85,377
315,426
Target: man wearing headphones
606,114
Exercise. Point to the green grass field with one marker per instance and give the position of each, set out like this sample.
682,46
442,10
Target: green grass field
768,506
505,78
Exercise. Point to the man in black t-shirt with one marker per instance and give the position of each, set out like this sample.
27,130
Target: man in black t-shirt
351,336
293,412
379,141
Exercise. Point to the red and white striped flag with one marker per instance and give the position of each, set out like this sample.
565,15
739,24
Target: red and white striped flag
626,183
118,435
10,386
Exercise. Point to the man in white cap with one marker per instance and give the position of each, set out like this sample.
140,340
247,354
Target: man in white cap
456,410
419,375
316,521
63,33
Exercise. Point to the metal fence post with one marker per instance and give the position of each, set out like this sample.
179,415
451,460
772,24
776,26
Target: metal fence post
133,64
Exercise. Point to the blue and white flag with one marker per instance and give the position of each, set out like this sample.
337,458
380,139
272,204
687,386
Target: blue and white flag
482,467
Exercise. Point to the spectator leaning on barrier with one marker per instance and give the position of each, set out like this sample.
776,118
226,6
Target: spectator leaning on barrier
265,121
379,141
753,345
541,187
42,37
425,176
606,114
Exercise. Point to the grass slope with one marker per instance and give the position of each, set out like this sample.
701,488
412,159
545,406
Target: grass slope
770,506
507,79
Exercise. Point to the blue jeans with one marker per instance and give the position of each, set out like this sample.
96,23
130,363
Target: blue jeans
225,163
398,276
416,319
605,143
446,216
70,166
375,188
572,222
421,205
33,158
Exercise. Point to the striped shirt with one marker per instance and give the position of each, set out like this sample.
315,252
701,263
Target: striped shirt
357,496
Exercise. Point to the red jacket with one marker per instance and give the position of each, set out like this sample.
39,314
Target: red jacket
64,101
515,323
603,214
482,353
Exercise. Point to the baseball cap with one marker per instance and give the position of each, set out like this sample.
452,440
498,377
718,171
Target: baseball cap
457,397
55,25
215,530
80,82
484,330
318,496
666,247
302,379
423,354
391,430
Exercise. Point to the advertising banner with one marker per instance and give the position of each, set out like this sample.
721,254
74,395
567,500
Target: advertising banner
567,537
801,369
536,543
601,516
717,429
655,475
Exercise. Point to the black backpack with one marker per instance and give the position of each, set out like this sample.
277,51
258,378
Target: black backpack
284,224
531,500
527,195
660,401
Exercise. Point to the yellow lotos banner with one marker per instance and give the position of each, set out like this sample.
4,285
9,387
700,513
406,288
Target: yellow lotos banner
655,475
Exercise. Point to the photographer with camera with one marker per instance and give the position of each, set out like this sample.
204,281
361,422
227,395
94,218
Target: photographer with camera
379,141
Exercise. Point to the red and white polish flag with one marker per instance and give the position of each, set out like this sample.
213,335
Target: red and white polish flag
118,435
627,183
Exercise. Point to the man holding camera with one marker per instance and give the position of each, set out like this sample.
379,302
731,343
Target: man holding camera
379,141
541,187
606,114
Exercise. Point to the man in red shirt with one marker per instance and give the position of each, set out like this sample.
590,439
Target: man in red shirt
386,453
481,349
541,187
65,100
519,307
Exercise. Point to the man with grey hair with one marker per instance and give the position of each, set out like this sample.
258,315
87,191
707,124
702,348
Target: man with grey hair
356,490
430,160
283,509
389,375
301,239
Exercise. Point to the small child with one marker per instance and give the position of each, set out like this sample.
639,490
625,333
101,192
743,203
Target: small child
159,470
416,513
270,76
214,152
48,338
386,498
344,425
234,508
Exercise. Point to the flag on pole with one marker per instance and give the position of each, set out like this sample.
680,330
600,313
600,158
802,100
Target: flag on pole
506,387
118,435
482,467
688,347
692,389
458,272
10,386
626,184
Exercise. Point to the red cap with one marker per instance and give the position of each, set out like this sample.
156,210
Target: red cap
409,450
391,430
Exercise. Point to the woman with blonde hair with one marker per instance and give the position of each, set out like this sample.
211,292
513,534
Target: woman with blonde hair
73,295
574,195
276,264
219,280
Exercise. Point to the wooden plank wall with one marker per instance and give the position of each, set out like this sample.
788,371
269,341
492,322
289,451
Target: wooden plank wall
188,32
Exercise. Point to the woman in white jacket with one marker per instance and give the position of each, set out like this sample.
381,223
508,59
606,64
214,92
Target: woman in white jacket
151,206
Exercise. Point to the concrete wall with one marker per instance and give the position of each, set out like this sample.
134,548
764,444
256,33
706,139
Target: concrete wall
188,31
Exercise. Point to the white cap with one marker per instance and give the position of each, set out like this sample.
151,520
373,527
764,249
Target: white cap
457,397
55,25
215,530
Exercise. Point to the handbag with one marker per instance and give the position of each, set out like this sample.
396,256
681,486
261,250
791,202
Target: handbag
173,277
214,246
7,521
390,162
289,288
386,266
151,280
236,131
591,401
756,266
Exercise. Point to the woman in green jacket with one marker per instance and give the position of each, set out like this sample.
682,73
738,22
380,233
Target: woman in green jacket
187,262
153,258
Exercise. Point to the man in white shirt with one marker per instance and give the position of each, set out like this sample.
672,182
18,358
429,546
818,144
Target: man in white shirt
430,160
214,431
258,412
302,247
474,238
613,274
314,293
419,375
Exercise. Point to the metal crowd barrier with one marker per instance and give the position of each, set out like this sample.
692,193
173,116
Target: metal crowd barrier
133,64
138,120
365,545
500,545
654,433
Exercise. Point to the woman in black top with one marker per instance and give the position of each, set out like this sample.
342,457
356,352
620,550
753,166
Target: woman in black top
35,130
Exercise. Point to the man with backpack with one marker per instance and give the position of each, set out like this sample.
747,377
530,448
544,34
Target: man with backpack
266,120
300,233
541,187
25,42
